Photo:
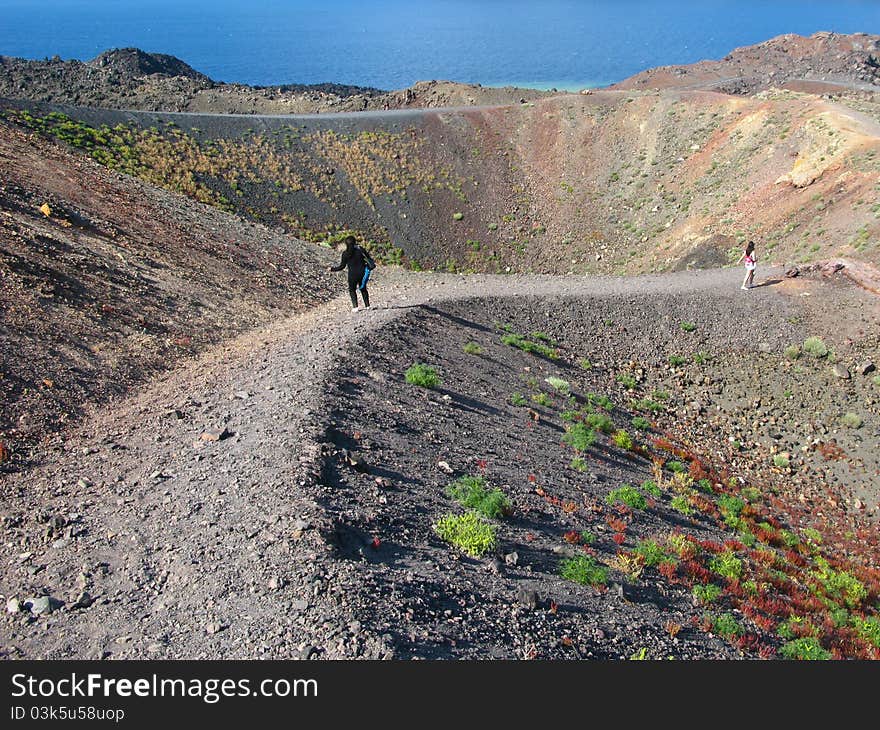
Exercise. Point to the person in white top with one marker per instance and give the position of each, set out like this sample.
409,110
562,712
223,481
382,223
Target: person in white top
750,260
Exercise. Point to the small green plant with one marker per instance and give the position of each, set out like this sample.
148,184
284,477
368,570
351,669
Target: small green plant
839,584
518,399
701,358
677,360
646,404
681,505
706,594
626,380
535,348
579,436
587,537
727,565
578,464
687,326
472,348
726,625
704,485
728,504
584,569
542,399
422,375
473,493
814,347
628,495
641,423
585,364
601,401
652,553
622,439
781,461
468,532
559,385
649,486
851,420
807,648
676,467
792,352
457,216
639,656
868,628
599,422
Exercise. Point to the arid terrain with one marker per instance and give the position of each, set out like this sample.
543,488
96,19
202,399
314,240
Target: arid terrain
610,450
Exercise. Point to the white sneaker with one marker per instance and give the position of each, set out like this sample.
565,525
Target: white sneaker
744,288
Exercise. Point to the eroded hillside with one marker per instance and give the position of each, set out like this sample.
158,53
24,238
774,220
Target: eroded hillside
612,182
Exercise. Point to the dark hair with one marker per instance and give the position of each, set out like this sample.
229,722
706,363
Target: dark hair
349,242
750,247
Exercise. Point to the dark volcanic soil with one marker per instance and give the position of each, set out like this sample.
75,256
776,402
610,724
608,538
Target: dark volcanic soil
154,539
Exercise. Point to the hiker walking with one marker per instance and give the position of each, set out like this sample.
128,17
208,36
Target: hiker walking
359,264
750,260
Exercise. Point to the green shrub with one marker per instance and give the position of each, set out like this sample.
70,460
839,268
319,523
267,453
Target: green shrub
457,216
628,495
422,375
472,492
868,628
535,348
728,504
781,461
815,347
704,485
585,364
838,584
622,439
687,326
468,532
651,488
851,420
559,385
518,399
646,404
579,436
676,360
680,504
727,565
701,358
641,423
806,648
792,352
583,569
601,401
578,464
726,625
472,348
542,399
599,422
706,594
587,537
676,467
626,380
652,553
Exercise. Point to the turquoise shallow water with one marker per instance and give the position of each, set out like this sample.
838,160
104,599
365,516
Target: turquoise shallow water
567,44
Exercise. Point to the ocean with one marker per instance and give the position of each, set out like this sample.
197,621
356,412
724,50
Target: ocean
390,44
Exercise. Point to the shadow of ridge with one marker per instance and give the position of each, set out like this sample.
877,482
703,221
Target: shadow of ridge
470,324
767,282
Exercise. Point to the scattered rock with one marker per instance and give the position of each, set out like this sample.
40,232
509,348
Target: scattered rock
444,467
355,462
212,436
83,600
528,598
511,558
866,368
42,605
841,371
13,605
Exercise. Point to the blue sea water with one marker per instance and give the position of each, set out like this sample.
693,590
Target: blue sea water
390,44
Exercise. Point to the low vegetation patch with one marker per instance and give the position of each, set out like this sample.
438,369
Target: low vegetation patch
584,569
628,495
473,492
814,347
469,532
422,375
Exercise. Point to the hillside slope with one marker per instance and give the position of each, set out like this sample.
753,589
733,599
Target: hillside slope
614,182
114,280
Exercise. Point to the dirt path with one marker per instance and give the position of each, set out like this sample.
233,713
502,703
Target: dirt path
181,523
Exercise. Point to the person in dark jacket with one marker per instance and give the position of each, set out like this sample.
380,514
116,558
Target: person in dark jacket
359,265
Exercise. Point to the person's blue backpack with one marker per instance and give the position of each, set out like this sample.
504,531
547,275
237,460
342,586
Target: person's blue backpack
369,265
